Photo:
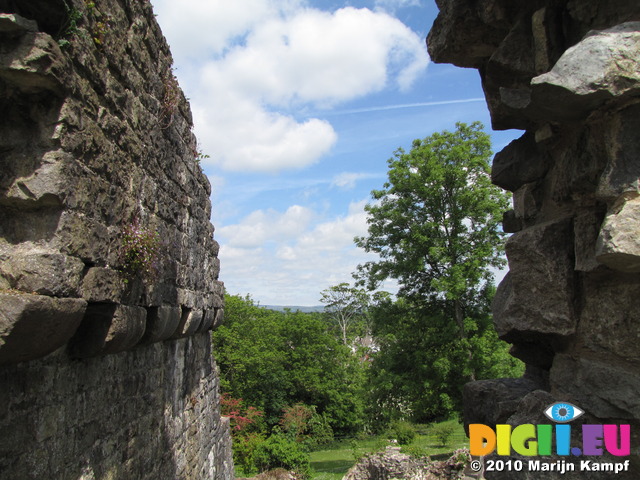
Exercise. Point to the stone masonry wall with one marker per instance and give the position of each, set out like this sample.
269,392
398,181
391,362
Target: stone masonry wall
567,72
105,371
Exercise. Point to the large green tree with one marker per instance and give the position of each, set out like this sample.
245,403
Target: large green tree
435,222
435,225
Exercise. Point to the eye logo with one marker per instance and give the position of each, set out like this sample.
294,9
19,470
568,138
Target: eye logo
563,412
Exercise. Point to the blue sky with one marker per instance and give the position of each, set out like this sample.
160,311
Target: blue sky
299,104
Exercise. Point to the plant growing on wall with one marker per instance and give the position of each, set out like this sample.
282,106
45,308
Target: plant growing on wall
170,99
139,251
70,27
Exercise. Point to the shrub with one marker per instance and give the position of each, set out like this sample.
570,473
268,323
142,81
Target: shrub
279,452
242,419
244,448
320,431
295,421
402,431
304,425
415,451
442,432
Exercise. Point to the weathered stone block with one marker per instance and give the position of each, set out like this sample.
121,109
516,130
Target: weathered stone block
610,317
519,163
11,23
189,322
610,390
208,319
446,45
618,245
603,66
108,329
32,326
525,204
83,237
44,273
35,63
621,176
162,323
102,285
494,401
586,227
531,408
536,297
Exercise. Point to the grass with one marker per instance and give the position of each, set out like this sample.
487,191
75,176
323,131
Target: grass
333,462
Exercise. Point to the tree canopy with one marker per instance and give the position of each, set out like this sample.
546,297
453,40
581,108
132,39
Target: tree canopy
435,223
274,360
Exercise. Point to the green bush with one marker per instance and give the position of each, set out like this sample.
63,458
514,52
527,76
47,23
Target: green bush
403,432
244,447
279,452
320,431
442,432
415,451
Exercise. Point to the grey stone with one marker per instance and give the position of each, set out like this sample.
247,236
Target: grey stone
42,272
107,329
586,227
510,222
493,401
36,65
83,156
567,73
519,163
525,203
536,297
618,386
189,322
601,67
531,408
392,463
32,326
618,246
162,323
487,25
610,320
102,285
620,177
11,23
208,320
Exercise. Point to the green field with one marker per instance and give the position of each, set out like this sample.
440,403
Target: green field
333,462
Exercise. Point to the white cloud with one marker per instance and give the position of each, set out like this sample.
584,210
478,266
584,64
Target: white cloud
263,226
392,5
206,27
348,180
322,57
292,264
249,63
254,139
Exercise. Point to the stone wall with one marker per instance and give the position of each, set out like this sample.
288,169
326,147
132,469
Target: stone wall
149,413
105,366
567,72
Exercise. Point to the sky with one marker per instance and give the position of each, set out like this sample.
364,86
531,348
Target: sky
299,104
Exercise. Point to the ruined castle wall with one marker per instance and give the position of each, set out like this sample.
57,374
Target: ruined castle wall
567,72
105,365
